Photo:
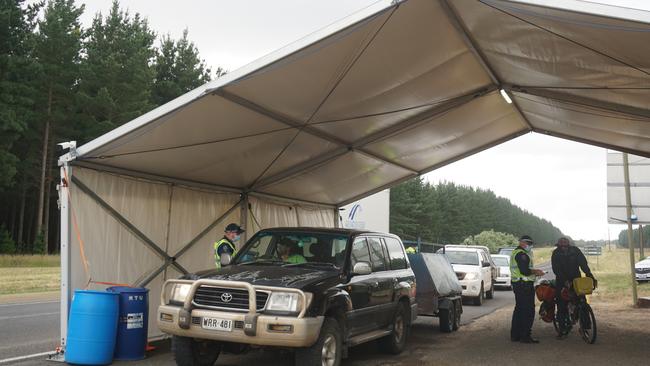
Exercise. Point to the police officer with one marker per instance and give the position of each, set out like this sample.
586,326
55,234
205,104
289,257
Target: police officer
225,249
522,276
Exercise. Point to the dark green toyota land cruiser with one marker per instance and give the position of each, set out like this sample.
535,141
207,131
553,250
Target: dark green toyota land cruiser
317,291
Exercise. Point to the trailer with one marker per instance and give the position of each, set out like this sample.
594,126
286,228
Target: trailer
438,292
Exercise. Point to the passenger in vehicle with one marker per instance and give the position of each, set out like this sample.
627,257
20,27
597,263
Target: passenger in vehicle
289,251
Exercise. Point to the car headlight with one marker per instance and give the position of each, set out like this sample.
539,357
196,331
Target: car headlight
286,302
471,276
179,292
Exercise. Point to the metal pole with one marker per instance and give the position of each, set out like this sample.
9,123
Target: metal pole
243,218
65,251
630,239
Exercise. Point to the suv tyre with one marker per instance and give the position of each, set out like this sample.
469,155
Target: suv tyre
478,300
490,294
328,348
396,341
189,352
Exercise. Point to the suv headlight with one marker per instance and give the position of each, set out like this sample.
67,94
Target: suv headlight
286,302
179,293
471,276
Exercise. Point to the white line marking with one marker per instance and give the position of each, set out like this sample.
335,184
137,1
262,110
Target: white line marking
26,316
30,303
20,358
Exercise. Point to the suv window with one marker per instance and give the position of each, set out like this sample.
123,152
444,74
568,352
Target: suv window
395,253
377,255
359,252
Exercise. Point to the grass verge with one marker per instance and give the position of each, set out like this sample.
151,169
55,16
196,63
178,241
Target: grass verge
30,261
16,280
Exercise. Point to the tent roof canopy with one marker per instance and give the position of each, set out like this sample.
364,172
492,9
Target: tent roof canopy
396,91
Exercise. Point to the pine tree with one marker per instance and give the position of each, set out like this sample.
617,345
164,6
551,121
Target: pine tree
17,64
179,69
58,46
117,73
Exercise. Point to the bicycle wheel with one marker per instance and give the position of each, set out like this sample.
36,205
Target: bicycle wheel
587,323
558,329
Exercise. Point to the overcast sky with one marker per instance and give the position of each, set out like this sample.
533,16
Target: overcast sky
559,180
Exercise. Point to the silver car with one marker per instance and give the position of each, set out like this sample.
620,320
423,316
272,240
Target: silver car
503,270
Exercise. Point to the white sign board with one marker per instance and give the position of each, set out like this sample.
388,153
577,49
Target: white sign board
639,168
370,213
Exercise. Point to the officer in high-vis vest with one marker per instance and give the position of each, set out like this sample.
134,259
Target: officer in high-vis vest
522,275
225,249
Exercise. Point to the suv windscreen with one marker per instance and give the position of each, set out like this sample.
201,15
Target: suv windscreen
294,248
501,261
458,257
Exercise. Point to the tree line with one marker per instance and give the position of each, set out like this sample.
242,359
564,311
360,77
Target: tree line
447,213
636,238
59,82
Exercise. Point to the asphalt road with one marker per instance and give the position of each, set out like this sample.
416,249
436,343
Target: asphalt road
28,328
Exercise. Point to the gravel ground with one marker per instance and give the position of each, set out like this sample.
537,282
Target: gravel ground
623,336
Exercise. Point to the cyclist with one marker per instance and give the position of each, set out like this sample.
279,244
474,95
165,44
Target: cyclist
567,261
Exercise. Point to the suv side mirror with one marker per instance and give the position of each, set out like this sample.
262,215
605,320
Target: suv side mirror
486,264
362,268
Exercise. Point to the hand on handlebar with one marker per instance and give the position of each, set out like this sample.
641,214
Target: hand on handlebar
538,272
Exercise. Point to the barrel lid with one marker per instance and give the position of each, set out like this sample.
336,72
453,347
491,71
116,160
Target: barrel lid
94,292
122,289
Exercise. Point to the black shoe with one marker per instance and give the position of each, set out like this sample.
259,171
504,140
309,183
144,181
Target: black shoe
529,340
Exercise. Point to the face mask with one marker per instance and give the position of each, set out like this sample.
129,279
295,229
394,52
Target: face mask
236,238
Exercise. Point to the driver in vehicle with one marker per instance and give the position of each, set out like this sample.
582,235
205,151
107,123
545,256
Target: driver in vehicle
289,251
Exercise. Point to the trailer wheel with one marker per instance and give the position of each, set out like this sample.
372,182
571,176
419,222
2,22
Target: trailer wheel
458,306
447,318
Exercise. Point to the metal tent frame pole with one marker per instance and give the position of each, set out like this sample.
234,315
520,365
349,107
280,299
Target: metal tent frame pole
66,293
189,244
243,217
124,221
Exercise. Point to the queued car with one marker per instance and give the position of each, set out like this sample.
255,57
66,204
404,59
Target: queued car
642,270
503,271
486,256
350,287
473,270
506,251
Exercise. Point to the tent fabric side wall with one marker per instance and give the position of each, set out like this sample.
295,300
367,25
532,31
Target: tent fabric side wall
179,220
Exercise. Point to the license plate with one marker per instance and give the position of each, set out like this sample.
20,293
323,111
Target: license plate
217,324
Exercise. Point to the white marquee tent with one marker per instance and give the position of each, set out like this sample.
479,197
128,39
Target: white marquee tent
394,91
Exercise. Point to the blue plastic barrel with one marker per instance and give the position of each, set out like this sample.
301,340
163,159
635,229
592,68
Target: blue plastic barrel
132,324
92,327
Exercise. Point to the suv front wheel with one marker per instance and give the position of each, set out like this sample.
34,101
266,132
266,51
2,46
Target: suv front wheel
490,294
328,348
190,352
